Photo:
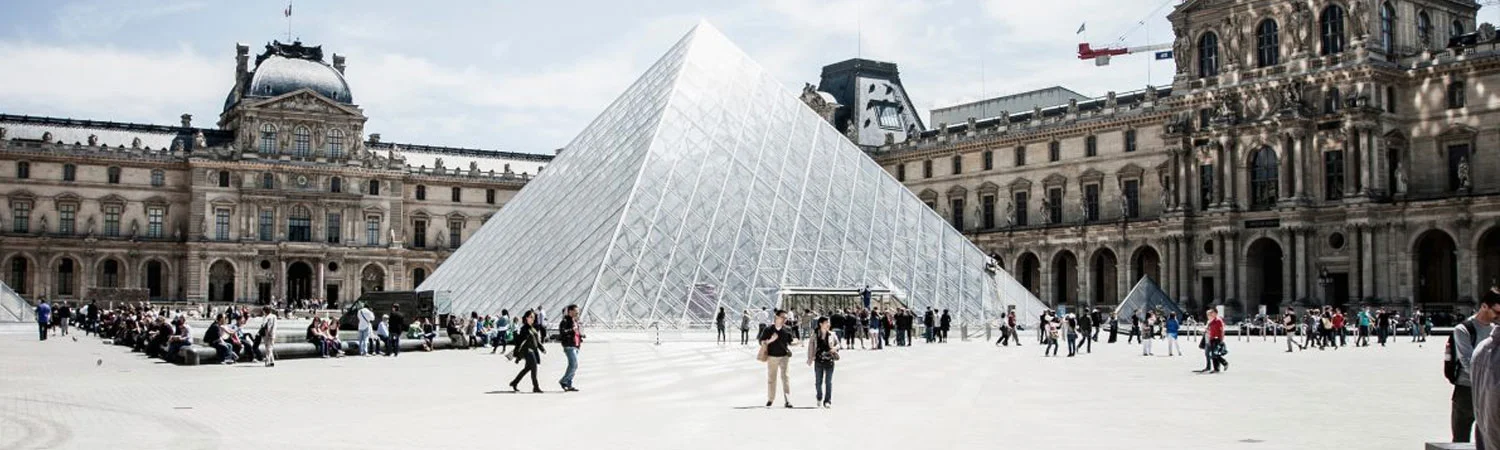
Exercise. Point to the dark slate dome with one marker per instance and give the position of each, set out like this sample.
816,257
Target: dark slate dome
285,68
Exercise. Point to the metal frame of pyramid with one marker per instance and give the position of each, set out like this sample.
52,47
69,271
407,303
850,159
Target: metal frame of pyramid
707,184
1147,296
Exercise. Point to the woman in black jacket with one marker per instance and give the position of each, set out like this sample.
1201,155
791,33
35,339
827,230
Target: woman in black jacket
528,348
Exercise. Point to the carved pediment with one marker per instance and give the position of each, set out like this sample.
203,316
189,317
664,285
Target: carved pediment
1091,175
1458,131
1020,184
1130,170
989,187
928,194
957,191
1054,180
67,197
306,100
112,198
457,216
223,201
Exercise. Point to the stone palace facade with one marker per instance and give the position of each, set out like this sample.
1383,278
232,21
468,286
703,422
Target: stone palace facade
287,198
1308,152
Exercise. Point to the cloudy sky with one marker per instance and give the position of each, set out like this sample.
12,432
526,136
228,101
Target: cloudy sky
527,75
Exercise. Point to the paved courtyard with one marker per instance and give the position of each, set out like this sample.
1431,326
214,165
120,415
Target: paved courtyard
635,395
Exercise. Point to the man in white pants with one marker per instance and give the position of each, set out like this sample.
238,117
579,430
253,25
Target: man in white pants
365,318
268,335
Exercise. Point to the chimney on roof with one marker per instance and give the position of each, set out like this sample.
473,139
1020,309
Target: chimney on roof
241,68
557,151
338,63
187,120
374,138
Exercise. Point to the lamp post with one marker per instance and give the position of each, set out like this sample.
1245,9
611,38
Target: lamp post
1326,282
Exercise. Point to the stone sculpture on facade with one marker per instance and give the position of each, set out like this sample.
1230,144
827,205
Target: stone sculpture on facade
1010,214
1046,210
1298,26
1400,178
93,140
1181,48
1463,174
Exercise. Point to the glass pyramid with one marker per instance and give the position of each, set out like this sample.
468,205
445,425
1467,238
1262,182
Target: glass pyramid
708,184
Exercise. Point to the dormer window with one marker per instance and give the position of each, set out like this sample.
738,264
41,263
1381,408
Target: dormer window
890,117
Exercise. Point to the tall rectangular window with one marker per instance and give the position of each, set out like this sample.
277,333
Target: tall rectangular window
21,217
335,228
927,169
221,224
1130,140
1090,146
154,216
1205,185
158,178
901,172
419,234
67,218
1390,99
958,164
299,228
1132,198
112,220
455,233
457,195
374,187
957,205
223,178
1020,201
1054,151
987,205
113,175
23,170
489,196
70,172
1020,156
1091,202
989,159
1333,175
1055,200
372,230
267,222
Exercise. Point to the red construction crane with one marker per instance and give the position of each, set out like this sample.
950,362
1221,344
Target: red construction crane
1101,55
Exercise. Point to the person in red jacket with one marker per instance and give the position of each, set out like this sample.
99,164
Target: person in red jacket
1213,348
1338,326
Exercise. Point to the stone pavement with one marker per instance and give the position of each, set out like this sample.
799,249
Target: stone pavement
635,395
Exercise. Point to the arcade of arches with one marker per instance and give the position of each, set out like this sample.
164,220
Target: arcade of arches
1428,268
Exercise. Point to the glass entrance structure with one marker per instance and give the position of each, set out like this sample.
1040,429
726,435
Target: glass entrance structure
707,184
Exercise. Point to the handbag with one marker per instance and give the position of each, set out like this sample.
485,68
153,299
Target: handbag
1202,344
762,355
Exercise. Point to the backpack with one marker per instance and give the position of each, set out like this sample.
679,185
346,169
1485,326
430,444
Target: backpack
1451,366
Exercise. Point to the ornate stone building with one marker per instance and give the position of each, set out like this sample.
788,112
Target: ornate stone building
285,199
1308,152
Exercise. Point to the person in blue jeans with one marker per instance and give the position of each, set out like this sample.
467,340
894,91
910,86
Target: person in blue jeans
822,352
571,336
1173,326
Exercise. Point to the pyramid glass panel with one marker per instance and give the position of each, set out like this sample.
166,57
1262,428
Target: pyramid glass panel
706,185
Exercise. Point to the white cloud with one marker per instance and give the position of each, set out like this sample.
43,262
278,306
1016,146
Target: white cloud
111,84
106,18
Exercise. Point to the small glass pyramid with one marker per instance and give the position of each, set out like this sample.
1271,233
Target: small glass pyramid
708,184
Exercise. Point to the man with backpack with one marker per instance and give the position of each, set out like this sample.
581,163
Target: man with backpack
1485,374
1459,359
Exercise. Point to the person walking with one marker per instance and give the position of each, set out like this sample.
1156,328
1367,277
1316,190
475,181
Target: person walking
268,333
775,341
1087,330
822,352
571,336
944,324
1070,331
529,350
1213,339
1363,320
43,317
760,320
503,333
1049,337
719,323
398,327
874,323
745,327
1148,334
1173,326
1135,328
1466,337
366,319
1114,327
929,326
65,315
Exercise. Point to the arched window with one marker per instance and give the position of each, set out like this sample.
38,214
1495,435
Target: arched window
301,142
299,225
267,181
1264,176
1331,28
1388,27
1424,29
110,275
418,275
421,192
336,185
1208,55
268,139
1267,44
1457,29
18,274
335,143
65,276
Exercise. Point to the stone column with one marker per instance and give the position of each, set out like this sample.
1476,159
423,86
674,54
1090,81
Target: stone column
1179,176
1287,176
1221,268
1045,265
1302,273
318,290
1165,255
1235,261
1303,168
1288,263
1362,271
279,290
1122,274
1189,276
1351,158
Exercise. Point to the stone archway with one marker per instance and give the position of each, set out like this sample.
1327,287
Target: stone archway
1029,273
221,282
1264,261
1487,253
372,279
1145,263
18,274
1064,279
299,281
155,280
1435,257
66,277
418,275
1104,276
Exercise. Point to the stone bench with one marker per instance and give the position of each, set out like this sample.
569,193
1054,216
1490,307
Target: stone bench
1448,446
197,354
